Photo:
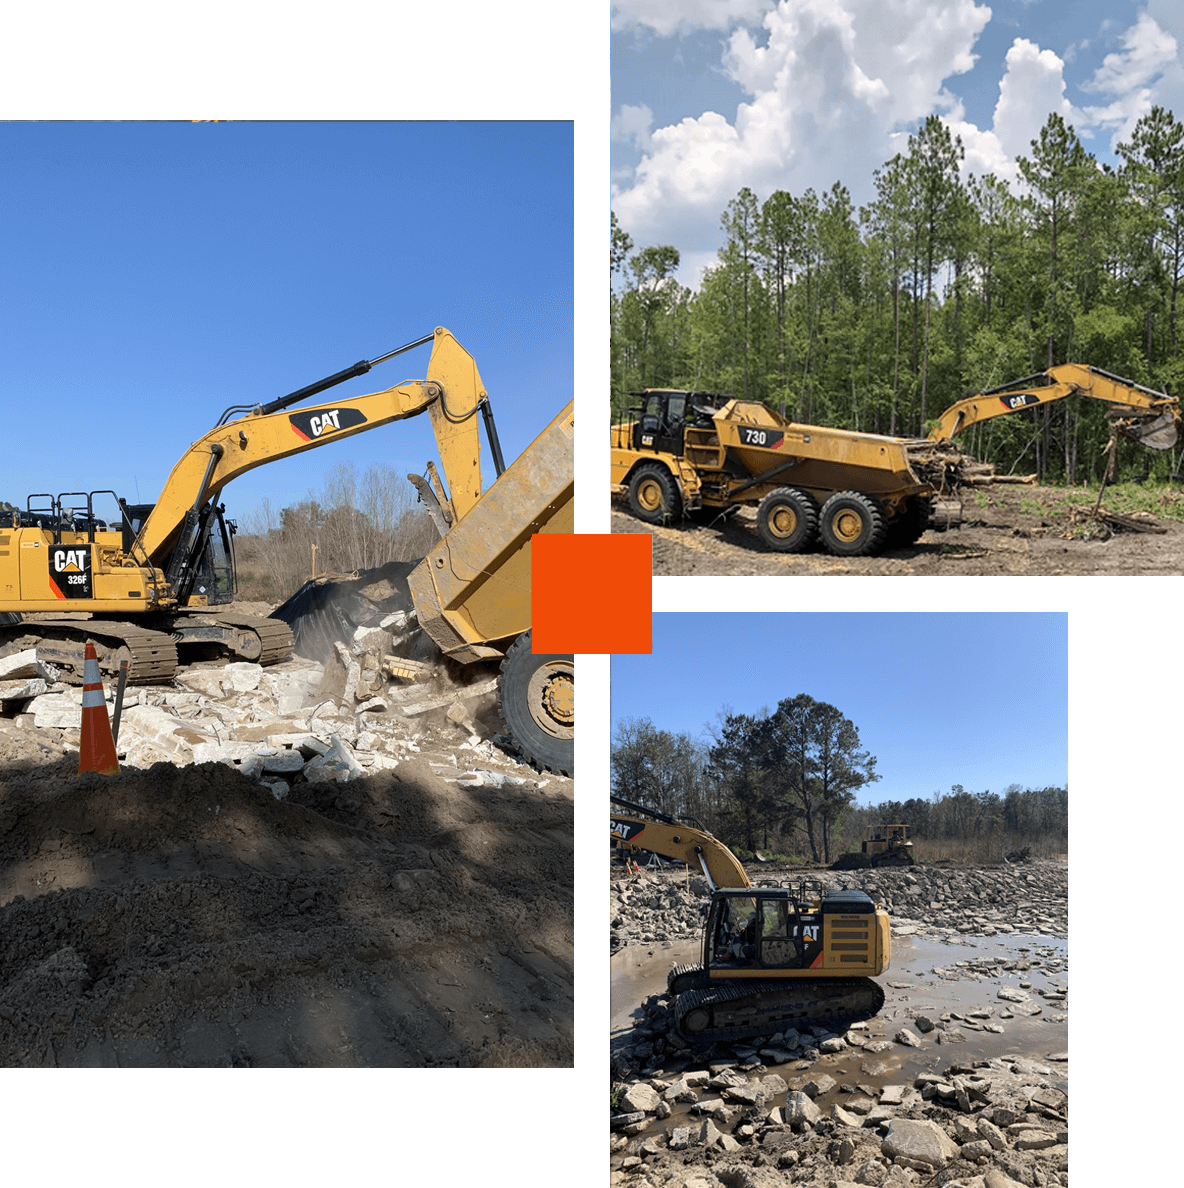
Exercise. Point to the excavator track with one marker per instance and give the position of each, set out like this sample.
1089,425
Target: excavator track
275,636
752,1009
151,655
254,638
151,652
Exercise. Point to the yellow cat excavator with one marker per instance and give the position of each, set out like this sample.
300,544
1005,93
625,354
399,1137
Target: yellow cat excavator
158,577
772,958
1141,414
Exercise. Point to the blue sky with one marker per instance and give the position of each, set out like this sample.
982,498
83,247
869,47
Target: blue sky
974,699
153,274
712,95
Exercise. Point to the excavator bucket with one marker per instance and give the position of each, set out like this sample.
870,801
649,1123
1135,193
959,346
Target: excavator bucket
1158,433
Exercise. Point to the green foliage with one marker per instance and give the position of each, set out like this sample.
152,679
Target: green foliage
879,319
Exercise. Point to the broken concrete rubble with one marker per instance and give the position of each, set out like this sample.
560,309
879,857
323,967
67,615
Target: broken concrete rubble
276,725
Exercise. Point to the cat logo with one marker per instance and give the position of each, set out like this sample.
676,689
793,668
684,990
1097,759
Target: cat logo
69,571
324,422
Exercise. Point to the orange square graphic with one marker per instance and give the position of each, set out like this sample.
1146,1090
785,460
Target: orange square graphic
590,593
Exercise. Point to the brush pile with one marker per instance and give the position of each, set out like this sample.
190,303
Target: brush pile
945,467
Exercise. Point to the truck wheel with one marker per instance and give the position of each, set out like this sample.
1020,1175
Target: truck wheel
910,525
787,520
851,525
539,705
653,495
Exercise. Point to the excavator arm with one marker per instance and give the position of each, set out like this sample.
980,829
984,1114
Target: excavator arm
452,393
672,838
1146,416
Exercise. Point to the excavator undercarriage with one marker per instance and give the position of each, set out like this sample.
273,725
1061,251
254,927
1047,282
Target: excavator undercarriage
774,959
760,1008
153,650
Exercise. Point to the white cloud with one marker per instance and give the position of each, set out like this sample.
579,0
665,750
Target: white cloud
667,17
1168,90
1127,76
1146,50
633,123
1032,88
835,80
833,87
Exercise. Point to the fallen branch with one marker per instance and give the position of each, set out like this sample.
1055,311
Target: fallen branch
1139,522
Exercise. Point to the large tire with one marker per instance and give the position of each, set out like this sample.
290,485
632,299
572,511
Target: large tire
910,525
539,706
654,496
787,520
851,525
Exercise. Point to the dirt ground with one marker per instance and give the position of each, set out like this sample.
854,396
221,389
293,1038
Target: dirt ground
1005,530
182,916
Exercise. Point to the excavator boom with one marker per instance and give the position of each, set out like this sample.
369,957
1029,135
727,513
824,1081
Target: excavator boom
452,394
644,829
161,576
1149,417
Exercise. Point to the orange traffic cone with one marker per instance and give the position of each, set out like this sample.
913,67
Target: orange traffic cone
97,752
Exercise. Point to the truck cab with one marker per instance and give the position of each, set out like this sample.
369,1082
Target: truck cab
659,423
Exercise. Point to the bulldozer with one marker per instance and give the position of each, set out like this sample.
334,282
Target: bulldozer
772,958
883,845
159,581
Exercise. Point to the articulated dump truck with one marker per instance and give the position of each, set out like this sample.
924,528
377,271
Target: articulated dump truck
856,492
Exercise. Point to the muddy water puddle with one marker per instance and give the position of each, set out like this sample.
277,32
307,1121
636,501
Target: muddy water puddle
928,977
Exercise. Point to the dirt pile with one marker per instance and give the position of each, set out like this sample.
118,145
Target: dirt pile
184,916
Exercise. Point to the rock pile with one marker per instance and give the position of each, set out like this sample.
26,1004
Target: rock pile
1027,898
295,721
987,1124
869,1106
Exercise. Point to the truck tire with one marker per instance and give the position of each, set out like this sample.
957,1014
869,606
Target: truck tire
851,525
910,525
538,704
787,520
654,496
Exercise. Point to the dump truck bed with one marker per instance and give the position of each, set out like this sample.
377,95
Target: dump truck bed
750,449
473,588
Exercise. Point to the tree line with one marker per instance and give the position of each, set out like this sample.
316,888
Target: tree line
880,317
355,523
785,781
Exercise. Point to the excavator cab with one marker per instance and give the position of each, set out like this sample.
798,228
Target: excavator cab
211,573
763,929
215,566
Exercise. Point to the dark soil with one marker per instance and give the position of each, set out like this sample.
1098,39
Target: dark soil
1004,530
184,917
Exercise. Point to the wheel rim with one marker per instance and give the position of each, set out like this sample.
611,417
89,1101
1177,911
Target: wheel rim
649,495
783,522
847,526
551,696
